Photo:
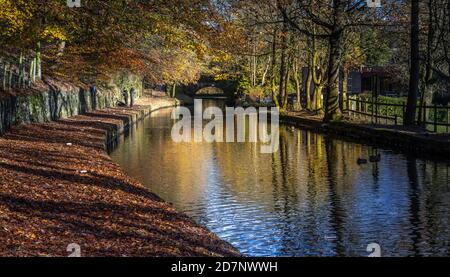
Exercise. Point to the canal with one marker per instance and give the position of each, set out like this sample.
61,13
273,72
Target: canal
311,198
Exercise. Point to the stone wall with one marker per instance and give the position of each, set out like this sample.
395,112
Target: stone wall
61,101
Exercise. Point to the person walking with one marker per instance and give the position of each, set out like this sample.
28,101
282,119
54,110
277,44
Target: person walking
133,96
125,96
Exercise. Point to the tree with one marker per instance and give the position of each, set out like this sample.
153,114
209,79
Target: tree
410,115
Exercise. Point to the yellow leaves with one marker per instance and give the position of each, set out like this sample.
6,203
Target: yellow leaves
221,56
12,18
54,33
221,77
28,235
201,49
182,66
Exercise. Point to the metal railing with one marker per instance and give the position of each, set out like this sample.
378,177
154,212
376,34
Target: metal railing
435,118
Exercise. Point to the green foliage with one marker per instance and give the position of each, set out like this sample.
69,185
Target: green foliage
244,86
376,49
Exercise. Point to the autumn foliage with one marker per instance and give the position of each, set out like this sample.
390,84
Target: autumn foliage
165,41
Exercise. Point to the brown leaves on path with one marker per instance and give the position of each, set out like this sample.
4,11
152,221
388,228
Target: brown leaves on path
58,186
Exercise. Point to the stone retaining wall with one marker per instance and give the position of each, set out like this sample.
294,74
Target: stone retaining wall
61,101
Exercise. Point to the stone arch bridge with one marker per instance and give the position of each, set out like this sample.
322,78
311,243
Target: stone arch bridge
207,87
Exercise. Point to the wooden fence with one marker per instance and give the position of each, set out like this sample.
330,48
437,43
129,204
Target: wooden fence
435,118
19,72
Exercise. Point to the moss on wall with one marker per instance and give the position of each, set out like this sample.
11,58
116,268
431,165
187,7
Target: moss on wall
59,102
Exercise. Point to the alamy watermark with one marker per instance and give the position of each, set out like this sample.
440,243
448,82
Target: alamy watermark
74,250
229,126
74,3
374,250
374,3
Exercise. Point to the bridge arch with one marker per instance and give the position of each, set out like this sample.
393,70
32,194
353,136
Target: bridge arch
207,86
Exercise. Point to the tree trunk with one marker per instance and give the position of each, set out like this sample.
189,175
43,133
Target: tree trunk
38,61
263,82
282,69
5,74
21,69
313,95
10,80
318,92
344,95
286,86
174,90
298,85
33,70
274,62
30,71
308,84
332,111
318,85
410,116
427,88
254,61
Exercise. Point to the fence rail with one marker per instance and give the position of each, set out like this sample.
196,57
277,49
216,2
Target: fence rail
435,118
19,72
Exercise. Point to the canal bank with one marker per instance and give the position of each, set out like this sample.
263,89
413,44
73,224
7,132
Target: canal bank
393,137
59,188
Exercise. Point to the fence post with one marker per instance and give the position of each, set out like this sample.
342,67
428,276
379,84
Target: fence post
38,61
5,72
21,69
354,106
365,109
435,118
361,107
347,99
358,108
29,63
403,111
10,78
424,114
376,110
386,114
371,110
33,75
30,73
448,116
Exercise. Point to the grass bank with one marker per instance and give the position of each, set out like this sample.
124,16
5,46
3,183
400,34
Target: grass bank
395,137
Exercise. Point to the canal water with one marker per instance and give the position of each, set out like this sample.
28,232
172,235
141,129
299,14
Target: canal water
311,198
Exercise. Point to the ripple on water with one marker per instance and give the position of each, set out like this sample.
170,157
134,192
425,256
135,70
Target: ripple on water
309,199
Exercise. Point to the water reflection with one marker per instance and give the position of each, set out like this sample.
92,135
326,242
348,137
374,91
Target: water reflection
311,198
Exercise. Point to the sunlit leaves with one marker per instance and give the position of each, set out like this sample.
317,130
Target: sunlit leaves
170,41
53,33
13,16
